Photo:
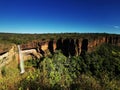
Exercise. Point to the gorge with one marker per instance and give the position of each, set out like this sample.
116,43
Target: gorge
69,45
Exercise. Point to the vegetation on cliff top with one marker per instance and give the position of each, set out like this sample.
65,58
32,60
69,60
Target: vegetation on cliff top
7,39
24,38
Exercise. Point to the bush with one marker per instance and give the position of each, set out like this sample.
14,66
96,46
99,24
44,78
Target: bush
3,71
55,72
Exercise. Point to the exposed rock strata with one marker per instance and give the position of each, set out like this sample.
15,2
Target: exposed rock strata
7,57
68,46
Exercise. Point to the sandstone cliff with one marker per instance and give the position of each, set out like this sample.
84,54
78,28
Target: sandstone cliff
7,57
69,46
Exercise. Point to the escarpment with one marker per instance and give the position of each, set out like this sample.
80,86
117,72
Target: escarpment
70,46
113,40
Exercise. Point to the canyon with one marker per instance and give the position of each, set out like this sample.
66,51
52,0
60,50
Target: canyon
69,46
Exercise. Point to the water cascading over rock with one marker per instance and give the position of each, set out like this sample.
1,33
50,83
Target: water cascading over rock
21,60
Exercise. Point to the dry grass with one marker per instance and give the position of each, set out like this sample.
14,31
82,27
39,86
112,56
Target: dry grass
11,76
4,47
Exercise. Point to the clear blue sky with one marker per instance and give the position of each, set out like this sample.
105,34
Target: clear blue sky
56,16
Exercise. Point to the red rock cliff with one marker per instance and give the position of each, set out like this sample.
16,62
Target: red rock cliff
70,46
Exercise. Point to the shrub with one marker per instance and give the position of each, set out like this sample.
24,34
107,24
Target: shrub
3,71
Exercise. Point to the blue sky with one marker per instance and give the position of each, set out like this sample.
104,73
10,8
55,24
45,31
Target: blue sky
56,16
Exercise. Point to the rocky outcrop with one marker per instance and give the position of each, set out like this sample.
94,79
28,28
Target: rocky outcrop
115,40
68,46
7,57
29,54
71,46
96,42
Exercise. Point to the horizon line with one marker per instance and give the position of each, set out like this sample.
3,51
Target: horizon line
60,33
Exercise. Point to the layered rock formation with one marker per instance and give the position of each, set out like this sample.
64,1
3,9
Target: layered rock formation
70,46
7,57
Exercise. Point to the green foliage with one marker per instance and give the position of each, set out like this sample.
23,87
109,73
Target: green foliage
98,70
55,71
30,82
3,71
31,63
24,38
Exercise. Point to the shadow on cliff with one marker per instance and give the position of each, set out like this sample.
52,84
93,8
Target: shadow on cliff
67,46
77,44
84,47
116,38
50,46
59,44
72,48
112,40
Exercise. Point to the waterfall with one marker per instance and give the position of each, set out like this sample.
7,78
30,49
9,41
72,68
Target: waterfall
21,61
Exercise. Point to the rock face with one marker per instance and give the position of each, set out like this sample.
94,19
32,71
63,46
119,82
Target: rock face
70,46
7,57
31,53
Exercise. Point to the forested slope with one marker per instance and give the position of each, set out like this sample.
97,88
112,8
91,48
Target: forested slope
98,70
